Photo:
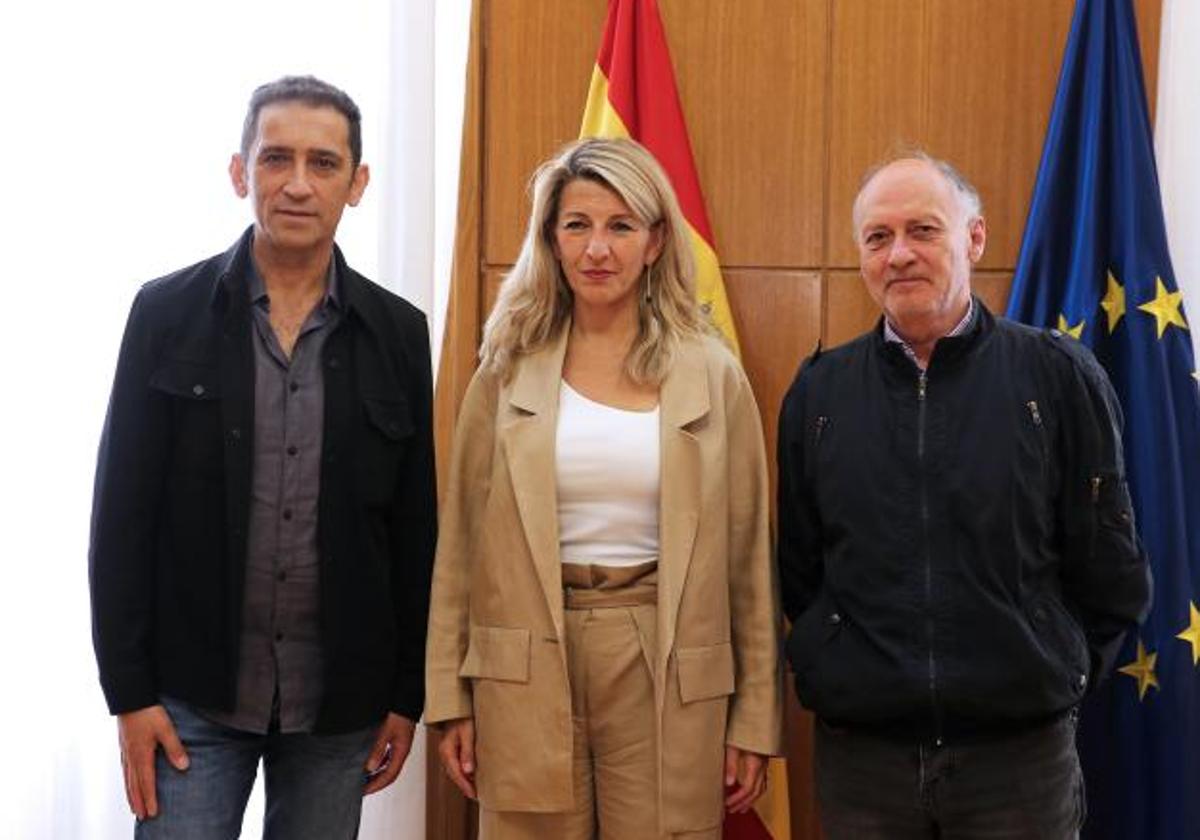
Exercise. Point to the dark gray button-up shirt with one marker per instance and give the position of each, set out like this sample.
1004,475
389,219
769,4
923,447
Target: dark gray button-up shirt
280,666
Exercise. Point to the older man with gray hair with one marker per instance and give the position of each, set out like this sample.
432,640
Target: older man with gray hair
956,541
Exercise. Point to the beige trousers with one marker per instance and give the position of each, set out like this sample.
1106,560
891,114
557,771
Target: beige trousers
610,629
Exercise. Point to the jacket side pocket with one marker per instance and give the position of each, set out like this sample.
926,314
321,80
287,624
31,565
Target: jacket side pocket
497,653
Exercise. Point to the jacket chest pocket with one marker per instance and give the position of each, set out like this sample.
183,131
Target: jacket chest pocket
192,391
381,448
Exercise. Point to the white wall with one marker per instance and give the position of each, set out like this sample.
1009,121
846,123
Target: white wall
1177,147
119,119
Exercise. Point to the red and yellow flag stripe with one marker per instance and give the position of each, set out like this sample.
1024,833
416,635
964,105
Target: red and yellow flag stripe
633,94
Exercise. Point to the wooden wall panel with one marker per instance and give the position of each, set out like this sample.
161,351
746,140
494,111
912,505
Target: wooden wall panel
758,99
538,59
848,309
781,312
989,99
877,100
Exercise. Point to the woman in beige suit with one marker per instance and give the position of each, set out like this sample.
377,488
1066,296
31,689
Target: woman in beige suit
603,646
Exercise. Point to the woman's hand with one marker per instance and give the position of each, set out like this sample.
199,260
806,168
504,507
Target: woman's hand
746,774
457,751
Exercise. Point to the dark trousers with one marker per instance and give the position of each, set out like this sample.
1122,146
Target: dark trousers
1019,787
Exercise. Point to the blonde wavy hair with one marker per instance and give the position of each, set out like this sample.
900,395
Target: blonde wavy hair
535,302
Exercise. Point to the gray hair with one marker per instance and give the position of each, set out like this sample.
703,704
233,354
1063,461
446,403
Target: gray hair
310,91
968,196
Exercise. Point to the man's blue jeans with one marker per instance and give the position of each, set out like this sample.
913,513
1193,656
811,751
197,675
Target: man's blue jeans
314,783
1018,787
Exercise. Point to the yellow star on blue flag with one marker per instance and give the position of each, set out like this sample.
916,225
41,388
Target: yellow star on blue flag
1165,307
1142,670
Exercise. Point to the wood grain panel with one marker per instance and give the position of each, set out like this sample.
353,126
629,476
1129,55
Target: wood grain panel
848,309
777,315
989,102
538,63
1149,23
877,101
492,276
802,788
992,288
755,109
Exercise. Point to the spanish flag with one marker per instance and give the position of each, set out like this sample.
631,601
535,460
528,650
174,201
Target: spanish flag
633,94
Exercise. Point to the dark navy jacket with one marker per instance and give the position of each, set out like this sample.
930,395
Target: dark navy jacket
168,547
957,550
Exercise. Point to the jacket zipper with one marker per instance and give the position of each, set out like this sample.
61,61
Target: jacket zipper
822,422
1035,414
929,628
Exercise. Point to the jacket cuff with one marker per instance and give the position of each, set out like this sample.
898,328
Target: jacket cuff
129,691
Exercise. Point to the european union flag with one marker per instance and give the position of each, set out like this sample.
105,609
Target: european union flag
1094,263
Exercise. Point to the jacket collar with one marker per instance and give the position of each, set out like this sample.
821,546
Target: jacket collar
233,279
528,436
949,348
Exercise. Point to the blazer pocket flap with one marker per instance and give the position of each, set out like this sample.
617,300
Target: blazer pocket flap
705,672
390,417
190,380
497,653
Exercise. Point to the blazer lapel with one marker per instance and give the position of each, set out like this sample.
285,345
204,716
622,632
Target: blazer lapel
684,398
528,438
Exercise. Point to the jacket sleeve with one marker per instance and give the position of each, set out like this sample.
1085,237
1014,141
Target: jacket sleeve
756,710
130,471
799,549
449,696
1105,577
413,527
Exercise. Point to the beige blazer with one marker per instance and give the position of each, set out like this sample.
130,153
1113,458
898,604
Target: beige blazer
495,647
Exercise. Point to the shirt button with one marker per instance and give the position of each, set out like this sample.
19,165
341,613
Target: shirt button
287,514
333,363
279,637
236,434
292,450
198,390
293,387
282,577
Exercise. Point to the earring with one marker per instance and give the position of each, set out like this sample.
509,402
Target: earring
646,280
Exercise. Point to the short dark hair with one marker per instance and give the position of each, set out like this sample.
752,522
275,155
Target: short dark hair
312,92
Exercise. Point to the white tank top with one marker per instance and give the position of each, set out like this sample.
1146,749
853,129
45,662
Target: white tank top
607,469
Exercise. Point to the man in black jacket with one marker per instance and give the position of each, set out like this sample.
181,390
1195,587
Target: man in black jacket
956,541
264,515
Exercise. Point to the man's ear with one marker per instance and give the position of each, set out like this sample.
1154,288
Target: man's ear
237,175
358,184
977,231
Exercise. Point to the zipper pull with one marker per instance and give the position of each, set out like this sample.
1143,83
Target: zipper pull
822,422
1095,489
1034,412
921,385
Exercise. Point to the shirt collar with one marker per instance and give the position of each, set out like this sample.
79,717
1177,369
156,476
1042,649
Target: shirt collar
258,287
890,334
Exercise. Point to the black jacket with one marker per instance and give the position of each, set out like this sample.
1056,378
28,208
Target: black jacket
957,551
169,517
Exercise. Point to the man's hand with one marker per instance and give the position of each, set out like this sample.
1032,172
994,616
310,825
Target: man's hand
140,733
748,771
457,750
389,752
